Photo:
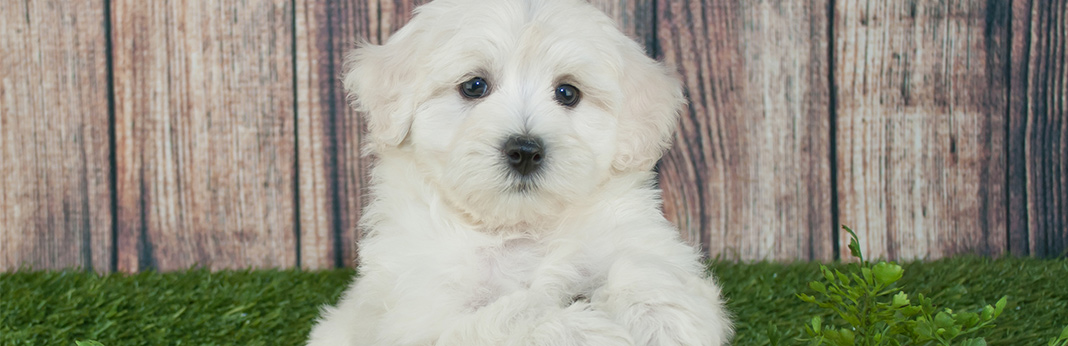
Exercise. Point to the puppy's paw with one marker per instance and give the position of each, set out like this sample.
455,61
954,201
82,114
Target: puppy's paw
577,325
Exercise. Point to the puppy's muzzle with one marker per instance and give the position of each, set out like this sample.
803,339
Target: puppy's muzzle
524,154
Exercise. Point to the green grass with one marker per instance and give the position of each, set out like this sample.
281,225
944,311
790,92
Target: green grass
268,307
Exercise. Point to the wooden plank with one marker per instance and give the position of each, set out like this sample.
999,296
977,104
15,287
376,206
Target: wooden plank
329,132
1016,168
749,175
921,109
333,175
204,134
1038,129
55,189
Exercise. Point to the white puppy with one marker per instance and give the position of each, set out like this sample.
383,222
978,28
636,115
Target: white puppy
512,198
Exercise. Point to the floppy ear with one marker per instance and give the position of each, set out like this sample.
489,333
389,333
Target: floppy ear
652,101
381,83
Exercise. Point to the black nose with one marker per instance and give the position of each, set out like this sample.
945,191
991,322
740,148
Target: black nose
524,154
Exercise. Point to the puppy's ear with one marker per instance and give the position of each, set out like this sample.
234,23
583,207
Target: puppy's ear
380,82
652,101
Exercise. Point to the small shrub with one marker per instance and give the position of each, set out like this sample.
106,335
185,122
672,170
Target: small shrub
880,313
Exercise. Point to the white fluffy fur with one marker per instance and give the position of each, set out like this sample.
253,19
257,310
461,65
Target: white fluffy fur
454,253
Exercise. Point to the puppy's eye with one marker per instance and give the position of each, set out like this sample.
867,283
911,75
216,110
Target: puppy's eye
567,95
474,88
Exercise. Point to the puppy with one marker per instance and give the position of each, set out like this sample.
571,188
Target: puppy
512,197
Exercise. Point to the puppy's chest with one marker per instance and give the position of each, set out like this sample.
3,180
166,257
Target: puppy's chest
511,263
514,265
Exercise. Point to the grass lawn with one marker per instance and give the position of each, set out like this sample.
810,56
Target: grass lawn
270,307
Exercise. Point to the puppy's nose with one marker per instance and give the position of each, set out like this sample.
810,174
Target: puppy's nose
524,154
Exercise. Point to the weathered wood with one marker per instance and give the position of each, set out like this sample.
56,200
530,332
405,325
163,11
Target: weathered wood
55,189
329,132
749,175
1038,129
1016,167
636,18
333,175
204,134
921,109
951,128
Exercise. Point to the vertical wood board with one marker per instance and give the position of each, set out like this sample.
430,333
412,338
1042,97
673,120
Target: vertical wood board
329,132
921,109
55,189
333,171
1038,129
749,175
204,134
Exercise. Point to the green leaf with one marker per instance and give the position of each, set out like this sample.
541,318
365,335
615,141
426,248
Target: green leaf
910,310
987,314
861,282
827,273
854,245
952,332
842,277
851,319
974,342
818,286
968,319
943,320
847,336
923,328
774,337
900,299
866,272
1061,340
1000,305
887,273
833,335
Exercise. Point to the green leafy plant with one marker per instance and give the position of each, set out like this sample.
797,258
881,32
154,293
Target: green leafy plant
877,312
1061,340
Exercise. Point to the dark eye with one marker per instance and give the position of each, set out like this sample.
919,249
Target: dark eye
567,95
474,88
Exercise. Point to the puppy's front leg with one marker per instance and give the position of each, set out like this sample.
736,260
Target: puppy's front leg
662,304
525,318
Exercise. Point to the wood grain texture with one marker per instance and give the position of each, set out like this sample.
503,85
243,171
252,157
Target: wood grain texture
1038,129
749,175
333,173
329,132
55,189
204,134
921,110
636,18
1016,167
950,121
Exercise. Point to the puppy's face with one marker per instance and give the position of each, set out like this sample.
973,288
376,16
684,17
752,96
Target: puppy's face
517,109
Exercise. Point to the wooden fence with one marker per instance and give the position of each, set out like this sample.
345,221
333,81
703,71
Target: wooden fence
165,134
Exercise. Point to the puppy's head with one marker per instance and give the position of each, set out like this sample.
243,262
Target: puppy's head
514,109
